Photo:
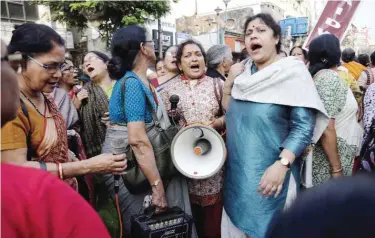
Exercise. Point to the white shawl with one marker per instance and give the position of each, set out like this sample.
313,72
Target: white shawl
285,82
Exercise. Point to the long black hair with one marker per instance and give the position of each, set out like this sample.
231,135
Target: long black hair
125,45
324,53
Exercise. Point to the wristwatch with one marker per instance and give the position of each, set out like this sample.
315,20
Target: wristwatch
284,161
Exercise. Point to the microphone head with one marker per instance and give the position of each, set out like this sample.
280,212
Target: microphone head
174,99
119,146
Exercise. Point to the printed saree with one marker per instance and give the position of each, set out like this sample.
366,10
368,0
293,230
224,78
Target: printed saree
53,147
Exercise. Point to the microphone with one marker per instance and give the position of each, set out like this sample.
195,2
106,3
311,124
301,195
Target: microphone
174,99
119,146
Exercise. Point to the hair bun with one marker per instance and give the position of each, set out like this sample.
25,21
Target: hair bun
115,67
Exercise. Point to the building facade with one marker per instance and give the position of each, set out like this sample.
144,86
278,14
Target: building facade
19,12
211,28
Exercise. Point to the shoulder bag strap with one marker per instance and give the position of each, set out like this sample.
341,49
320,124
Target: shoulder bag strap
218,95
149,103
371,76
28,136
123,100
368,76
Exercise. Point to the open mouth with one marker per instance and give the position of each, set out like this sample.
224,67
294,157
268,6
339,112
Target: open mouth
53,83
174,61
255,46
90,69
195,67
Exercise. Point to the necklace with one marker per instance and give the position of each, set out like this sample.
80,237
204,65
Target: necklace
45,104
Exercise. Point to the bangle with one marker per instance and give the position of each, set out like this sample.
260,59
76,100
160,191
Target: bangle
156,182
226,93
337,171
61,172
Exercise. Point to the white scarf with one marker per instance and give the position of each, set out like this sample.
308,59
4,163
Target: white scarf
285,82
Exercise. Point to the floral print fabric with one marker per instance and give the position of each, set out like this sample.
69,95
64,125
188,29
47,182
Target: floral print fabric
341,106
198,104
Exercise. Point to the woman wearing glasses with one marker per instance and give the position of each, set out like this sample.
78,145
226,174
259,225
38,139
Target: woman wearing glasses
70,81
95,96
169,59
37,136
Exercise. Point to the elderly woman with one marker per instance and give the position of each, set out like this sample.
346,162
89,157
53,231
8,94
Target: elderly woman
334,154
131,117
199,103
61,95
219,61
70,82
270,121
37,136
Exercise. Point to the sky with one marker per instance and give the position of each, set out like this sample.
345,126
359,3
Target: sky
364,16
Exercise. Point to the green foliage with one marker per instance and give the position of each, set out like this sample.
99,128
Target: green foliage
109,14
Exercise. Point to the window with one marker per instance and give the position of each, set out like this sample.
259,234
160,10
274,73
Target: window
31,12
16,11
19,11
4,13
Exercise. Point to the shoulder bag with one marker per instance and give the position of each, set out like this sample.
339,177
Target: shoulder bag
161,140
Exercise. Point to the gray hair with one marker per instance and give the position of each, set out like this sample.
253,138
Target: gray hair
216,54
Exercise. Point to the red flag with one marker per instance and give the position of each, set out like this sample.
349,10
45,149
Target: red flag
334,19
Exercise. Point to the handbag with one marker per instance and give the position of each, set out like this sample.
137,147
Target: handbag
161,140
367,154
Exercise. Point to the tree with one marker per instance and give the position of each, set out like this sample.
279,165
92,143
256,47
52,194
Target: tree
110,15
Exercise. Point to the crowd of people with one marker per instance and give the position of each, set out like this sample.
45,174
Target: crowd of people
291,122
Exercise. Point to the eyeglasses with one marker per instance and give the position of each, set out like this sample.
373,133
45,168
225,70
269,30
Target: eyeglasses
50,68
70,69
151,42
92,58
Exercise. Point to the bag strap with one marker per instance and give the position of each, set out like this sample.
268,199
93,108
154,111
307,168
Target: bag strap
28,136
368,76
218,95
372,77
148,102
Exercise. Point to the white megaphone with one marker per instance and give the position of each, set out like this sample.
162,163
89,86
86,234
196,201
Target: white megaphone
198,151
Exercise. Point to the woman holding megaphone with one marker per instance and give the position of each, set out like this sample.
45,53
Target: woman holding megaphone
199,102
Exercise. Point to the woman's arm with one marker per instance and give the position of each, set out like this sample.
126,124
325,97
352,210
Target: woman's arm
142,148
329,143
302,123
235,70
333,93
105,163
227,91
